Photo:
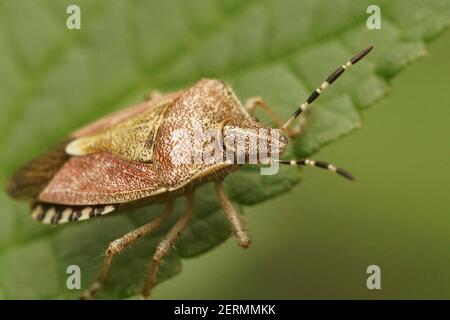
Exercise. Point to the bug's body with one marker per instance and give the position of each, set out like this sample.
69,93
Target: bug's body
123,160
126,160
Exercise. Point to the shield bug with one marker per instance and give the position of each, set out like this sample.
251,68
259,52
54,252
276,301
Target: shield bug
129,159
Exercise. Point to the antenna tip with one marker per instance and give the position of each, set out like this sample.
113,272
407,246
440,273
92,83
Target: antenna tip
369,48
345,174
361,54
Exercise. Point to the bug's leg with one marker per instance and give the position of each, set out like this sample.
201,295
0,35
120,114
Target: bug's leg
152,94
118,245
257,102
328,81
318,164
299,128
236,221
165,245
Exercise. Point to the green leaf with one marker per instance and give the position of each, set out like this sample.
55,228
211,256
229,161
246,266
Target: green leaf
53,80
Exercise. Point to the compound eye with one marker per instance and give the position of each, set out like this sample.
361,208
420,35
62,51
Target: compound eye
222,133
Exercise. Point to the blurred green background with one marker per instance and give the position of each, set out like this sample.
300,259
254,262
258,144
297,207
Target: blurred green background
317,241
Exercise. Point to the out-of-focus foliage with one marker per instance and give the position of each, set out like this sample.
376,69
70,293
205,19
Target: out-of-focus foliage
54,80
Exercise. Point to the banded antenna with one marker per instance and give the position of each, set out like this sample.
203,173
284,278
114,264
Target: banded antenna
336,74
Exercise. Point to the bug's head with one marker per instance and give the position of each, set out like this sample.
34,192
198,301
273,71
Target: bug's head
253,141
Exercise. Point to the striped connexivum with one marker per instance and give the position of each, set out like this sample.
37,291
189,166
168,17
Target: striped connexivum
60,214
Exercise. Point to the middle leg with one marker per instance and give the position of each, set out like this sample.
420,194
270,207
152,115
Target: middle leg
118,245
165,245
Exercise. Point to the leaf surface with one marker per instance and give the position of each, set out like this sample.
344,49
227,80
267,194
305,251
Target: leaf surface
54,80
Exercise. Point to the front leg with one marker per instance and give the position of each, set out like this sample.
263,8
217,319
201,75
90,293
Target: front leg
152,94
257,102
235,220
299,128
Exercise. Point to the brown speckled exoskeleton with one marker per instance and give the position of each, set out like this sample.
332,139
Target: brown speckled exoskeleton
125,160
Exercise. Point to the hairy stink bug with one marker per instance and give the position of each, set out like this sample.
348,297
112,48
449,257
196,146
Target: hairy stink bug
144,154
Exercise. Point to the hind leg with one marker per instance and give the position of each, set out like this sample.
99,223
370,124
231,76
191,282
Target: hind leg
118,245
165,245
